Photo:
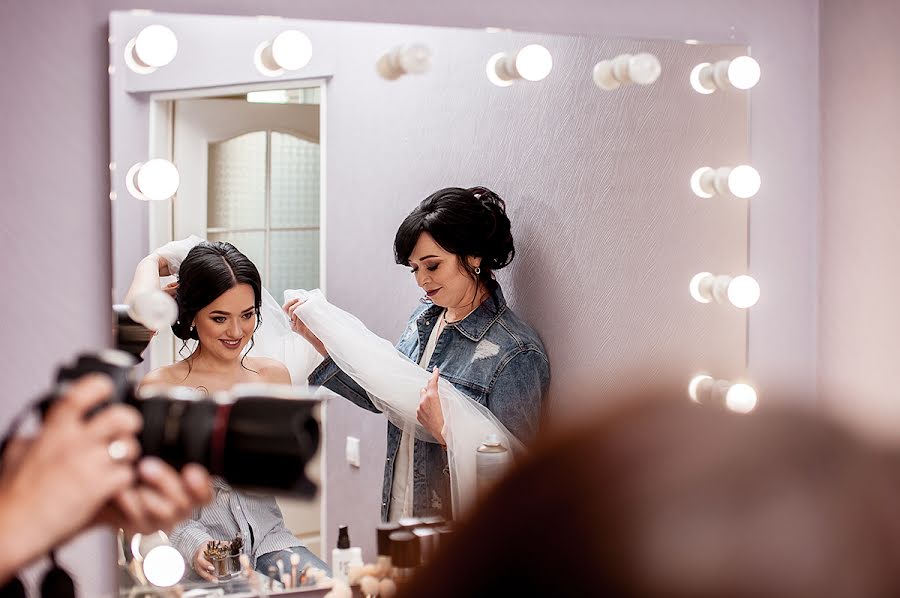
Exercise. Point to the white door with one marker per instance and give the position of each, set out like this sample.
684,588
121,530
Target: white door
250,175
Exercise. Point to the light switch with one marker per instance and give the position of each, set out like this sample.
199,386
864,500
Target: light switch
353,451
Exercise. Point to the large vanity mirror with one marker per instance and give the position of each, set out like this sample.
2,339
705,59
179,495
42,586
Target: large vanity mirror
308,166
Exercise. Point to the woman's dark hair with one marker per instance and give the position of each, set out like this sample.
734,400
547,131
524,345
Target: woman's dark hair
465,222
664,498
208,270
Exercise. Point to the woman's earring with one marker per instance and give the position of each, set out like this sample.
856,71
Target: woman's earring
193,328
477,270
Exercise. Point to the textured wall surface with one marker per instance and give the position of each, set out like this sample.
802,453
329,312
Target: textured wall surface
608,231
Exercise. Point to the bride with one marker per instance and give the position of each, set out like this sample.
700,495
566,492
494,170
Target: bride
219,296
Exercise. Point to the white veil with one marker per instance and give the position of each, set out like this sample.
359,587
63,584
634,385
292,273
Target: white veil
392,381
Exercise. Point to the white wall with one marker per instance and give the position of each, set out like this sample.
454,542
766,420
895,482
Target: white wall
860,291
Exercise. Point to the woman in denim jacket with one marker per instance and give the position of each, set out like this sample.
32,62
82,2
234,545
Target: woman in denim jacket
464,332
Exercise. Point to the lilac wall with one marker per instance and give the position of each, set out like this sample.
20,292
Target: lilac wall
56,154
860,291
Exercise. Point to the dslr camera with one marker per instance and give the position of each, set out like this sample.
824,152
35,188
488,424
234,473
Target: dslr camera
256,437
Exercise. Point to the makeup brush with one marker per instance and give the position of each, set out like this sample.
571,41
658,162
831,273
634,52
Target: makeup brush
295,561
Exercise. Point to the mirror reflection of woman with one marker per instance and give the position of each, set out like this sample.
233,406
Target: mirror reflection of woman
219,293
464,331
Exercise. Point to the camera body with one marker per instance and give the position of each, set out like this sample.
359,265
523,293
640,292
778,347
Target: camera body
256,437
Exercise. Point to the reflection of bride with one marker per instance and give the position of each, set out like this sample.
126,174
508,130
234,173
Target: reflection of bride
219,295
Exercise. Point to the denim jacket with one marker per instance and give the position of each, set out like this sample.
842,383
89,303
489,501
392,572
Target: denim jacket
491,356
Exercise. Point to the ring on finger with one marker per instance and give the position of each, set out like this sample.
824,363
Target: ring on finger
117,451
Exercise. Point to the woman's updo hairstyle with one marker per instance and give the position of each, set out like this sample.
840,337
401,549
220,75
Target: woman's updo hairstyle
465,222
208,270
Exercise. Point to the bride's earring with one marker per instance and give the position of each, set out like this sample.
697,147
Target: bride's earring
477,270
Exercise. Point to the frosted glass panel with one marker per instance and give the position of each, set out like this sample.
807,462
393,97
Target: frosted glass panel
295,261
237,182
253,245
295,182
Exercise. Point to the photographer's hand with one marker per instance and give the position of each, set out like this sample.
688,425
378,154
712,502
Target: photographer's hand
162,497
54,487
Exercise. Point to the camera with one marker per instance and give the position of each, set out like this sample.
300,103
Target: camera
256,437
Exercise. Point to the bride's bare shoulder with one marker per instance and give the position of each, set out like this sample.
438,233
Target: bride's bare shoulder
167,375
270,370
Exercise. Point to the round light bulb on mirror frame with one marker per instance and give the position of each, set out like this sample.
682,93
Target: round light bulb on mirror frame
738,397
741,398
413,59
740,73
153,47
153,180
698,385
531,63
643,69
740,291
742,181
290,50
743,72
534,62
743,291
163,566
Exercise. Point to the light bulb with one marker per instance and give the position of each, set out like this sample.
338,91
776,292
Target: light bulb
741,398
699,85
698,185
163,566
412,59
156,46
642,69
743,181
534,62
743,291
154,309
153,180
700,287
743,72
292,50
694,387
415,59
493,70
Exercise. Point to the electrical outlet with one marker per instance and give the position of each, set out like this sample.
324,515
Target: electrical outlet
353,451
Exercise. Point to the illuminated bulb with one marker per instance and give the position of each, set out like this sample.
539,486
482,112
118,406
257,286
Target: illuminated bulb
414,59
741,291
153,47
532,63
153,180
699,385
706,390
741,73
163,566
642,69
742,181
291,50
155,309
741,398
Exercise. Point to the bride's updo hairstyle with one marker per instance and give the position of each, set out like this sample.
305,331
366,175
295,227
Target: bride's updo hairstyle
208,270
465,222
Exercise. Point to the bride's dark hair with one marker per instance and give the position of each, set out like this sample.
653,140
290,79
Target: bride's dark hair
208,270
